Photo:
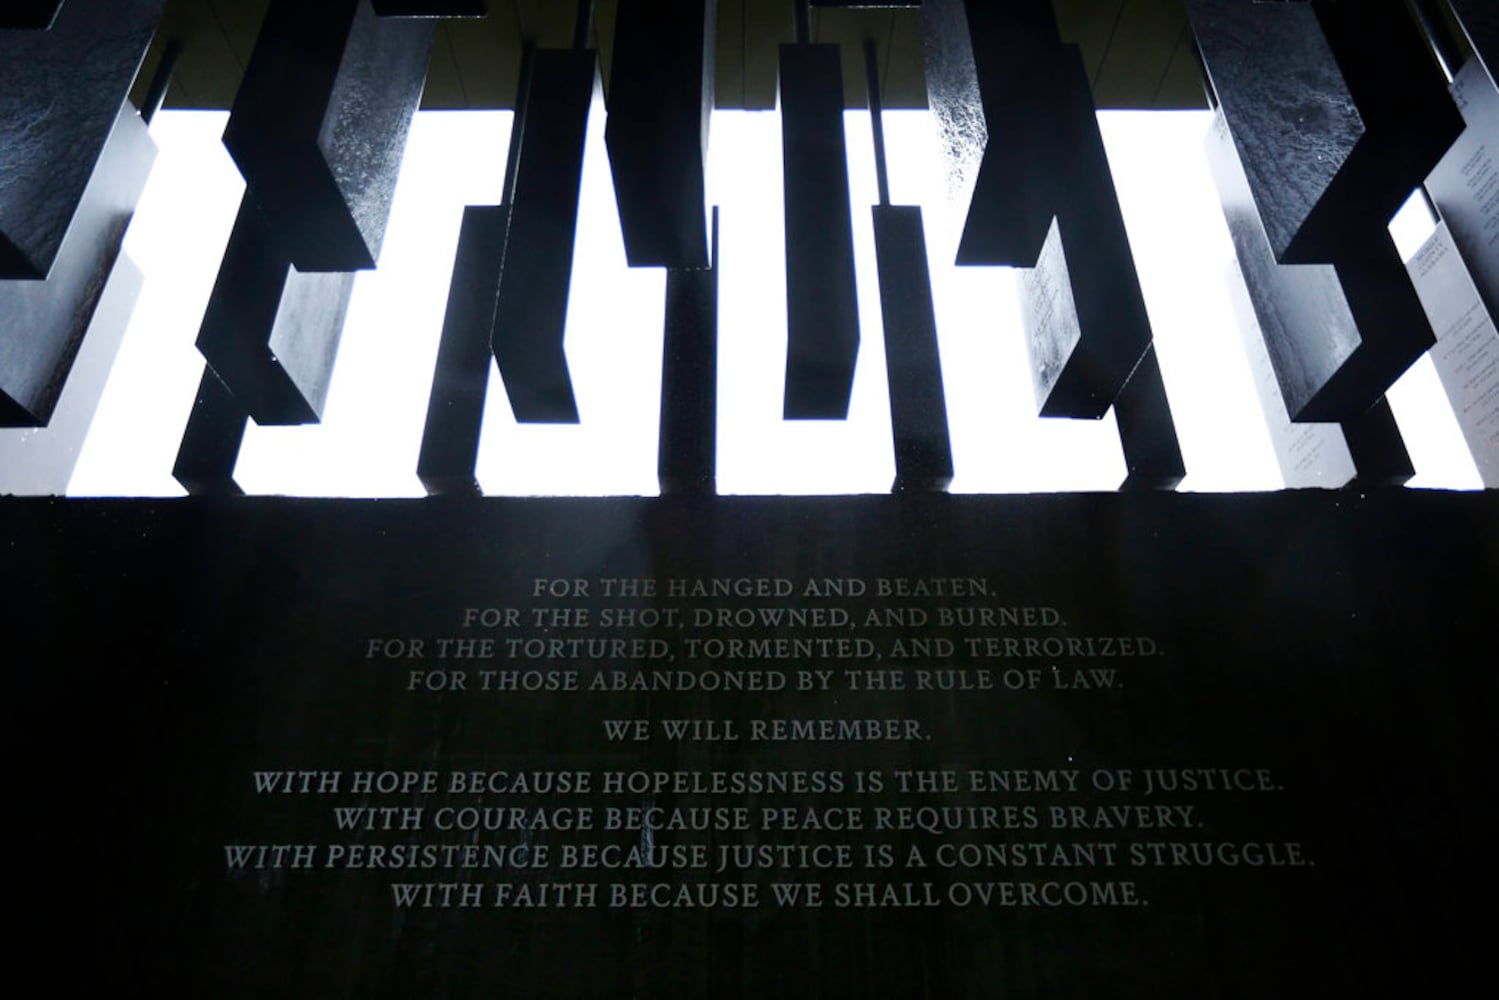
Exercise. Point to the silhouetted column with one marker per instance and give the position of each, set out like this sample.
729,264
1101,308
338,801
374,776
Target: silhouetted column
211,441
660,99
918,405
1336,110
913,362
822,314
1337,334
42,322
996,122
1308,454
1377,447
455,411
1035,191
319,125
271,332
1152,455
30,14
1080,366
687,457
60,95
559,95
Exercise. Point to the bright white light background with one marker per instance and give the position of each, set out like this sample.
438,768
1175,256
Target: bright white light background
368,442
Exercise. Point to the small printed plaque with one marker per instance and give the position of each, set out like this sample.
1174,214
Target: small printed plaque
1309,454
1466,354
1465,184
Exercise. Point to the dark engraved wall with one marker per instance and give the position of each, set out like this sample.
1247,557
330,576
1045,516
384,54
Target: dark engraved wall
1124,745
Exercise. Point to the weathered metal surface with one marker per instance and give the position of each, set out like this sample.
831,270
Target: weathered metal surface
42,323
686,461
319,126
1086,323
1032,185
996,121
660,97
822,316
1336,110
913,364
60,94
562,94
1338,335
455,410
271,332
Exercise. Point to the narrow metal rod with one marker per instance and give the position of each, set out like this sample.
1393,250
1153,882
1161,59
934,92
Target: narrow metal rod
803,22
1439,39
156,92
583,24
872,82
518,122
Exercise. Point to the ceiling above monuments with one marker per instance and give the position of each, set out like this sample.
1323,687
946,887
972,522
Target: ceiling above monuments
1138,52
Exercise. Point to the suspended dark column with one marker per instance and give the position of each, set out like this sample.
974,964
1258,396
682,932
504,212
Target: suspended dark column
996,122
42,322
686,461
319,125
211,441
29,13
1377,447
60,95
455,411
660,98
1080,365
1152,455
1336,109
913,363
271,332
430,8
1480,22
822,314
1016,111
560,94
1337,334
918,405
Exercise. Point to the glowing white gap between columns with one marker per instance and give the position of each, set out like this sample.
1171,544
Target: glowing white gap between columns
1422,408
177,237
1182,249
999,443
370,434
758,452
615,315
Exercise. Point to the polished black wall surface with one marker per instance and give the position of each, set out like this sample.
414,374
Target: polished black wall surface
171,649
